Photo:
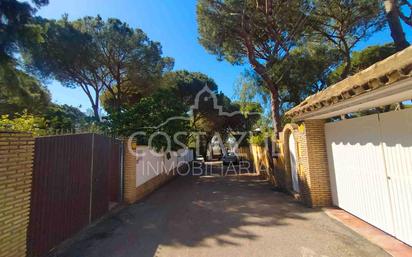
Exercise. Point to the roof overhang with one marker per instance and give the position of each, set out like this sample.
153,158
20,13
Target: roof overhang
397,92
383,83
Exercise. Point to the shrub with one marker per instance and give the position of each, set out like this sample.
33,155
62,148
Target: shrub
24,122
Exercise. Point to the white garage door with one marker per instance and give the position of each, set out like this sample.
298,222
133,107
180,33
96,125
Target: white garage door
370,161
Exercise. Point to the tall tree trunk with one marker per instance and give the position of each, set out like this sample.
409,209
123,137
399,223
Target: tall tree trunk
96,106
204,145
93,101
262,71
274,103
348,61
96,112
397,33
347,68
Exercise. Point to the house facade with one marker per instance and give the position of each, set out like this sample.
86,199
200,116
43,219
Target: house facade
350,146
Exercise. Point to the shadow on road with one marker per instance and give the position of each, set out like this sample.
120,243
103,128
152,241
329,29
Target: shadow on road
220,213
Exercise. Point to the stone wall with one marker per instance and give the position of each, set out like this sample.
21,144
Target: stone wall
16,165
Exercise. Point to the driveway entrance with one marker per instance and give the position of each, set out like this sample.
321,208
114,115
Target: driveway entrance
215,215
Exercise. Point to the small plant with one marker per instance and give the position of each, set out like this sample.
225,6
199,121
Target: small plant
24,122
260,138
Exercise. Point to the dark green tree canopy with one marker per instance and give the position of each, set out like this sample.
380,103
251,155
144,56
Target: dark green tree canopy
259,32
304,73
272,34
131,63
67,55
216,113
363,59
15,25
27,94
99,56
64,118
307,71
188,84
238,30
149,115
345,23
16,30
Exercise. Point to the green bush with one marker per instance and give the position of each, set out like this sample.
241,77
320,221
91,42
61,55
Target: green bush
24,122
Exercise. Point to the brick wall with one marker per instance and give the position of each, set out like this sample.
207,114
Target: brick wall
317,163
131,193
16,164
311,162
129,174
303,167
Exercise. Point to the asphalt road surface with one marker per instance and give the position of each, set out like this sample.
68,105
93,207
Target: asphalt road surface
219,215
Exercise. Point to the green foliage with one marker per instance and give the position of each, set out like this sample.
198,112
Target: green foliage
226,118
26,93
188,84
260,137
99,56
64,52
249,108
151,114
64,118
223,118
304,73
271,35
345,23
184,87
24,122
227,28
309,70
54,119
67,55
259,124
363,59
134,65
16,29
248,88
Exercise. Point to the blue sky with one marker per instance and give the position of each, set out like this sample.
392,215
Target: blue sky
173,24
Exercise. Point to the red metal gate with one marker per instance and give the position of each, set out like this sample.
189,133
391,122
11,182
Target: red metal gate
106,175
75,177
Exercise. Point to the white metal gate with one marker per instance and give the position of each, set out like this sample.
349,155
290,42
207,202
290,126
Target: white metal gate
293,168
370,162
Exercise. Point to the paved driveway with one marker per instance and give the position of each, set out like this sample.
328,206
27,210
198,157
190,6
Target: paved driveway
220,216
